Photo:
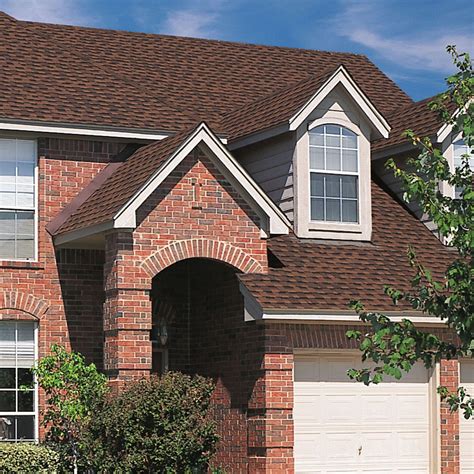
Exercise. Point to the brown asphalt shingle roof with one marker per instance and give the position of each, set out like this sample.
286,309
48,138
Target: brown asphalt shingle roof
274,109
121,186
75,75
417,117
318,275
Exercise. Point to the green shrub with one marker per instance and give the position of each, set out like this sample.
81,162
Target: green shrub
27,457
156,425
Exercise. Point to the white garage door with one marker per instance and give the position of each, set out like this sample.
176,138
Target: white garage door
466,427
345,427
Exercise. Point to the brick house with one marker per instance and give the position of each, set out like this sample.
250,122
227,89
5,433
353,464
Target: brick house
172,203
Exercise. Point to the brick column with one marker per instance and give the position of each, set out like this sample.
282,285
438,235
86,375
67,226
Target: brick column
270,410
449,377
127,313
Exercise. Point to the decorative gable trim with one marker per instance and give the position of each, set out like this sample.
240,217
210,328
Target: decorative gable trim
272,220
277,222
341,76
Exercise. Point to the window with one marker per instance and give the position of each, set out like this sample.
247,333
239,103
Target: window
17,199
17,405
334,174
460,149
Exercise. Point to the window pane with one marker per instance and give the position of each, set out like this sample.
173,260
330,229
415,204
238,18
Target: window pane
25,223
333,159
317,185
26,150
25,173
317,209
25,377
7,378
349,187
333,186
7,222
349,139
25,427
25,248
25,400
316,157
7,400
7,199
349,211
334,141
333,129
7,247
7,344
25,345
7,150
25,200
333,210
7,427
7,171
316,138
349,160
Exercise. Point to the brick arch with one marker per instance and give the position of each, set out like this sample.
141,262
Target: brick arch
26,303
200,248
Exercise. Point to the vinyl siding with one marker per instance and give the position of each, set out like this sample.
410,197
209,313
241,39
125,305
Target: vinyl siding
270,163
395,185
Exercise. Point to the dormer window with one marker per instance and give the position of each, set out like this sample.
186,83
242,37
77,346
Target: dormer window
459,150
334,174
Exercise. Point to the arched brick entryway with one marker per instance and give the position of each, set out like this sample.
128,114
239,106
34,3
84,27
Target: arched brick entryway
201,248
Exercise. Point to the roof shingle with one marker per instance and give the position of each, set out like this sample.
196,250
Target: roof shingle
76,75
327,275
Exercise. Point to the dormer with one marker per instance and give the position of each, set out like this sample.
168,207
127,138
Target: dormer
327,123
332,161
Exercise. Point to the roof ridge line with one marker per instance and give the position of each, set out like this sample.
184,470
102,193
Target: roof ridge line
204,40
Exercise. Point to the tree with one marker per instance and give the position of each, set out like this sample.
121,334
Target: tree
72,389
395,347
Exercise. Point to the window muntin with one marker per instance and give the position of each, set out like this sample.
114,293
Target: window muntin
459,150
334,174
17,404
17,199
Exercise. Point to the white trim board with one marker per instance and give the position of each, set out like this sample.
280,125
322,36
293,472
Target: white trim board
340,76
64,129
273,221
253,311
278,223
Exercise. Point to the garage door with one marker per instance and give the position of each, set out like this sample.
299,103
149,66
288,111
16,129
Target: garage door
345,427
466,427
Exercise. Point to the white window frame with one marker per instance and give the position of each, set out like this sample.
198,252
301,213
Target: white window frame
34,210
448,152
330,230
36,401
337,173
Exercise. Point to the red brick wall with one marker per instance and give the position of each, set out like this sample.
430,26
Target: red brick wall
449,377
192,207
65,167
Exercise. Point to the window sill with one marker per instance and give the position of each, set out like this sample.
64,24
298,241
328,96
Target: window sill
20,264
347,227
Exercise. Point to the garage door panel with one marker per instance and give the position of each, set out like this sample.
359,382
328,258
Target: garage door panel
342,426
412,408
377,408
412,446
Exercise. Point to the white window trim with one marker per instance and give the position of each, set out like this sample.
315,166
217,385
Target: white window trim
318,223
35,210
307,228
35,384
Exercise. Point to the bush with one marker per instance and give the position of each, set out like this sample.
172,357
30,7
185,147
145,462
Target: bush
27,457
156,425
